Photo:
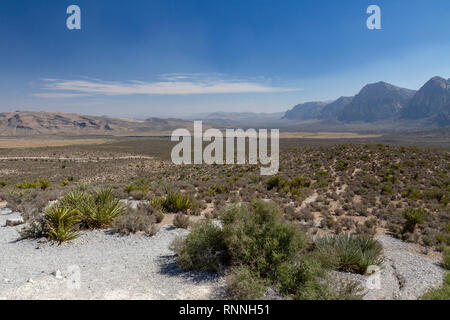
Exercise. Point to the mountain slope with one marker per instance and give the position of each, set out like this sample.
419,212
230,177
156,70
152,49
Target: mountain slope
24,123
305,111
376,101
431,102
335,108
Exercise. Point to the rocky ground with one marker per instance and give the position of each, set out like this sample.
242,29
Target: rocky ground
405,274
99,265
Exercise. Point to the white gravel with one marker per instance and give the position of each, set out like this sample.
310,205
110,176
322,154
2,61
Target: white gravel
110,267
405,274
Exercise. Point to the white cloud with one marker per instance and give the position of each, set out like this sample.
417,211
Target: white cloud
170,84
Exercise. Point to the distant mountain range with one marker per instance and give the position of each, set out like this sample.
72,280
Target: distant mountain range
26,123
382,101
378,107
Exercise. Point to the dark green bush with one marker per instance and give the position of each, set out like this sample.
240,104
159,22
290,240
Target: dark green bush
259,237
203,249
244,284
413,217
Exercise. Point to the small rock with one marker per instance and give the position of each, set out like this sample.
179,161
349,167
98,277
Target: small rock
57,274
12,222
42,240
30,280
6,280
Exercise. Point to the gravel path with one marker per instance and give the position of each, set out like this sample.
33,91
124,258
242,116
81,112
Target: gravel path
110,267
405,274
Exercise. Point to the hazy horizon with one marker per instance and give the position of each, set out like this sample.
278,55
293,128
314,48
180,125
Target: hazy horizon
175,59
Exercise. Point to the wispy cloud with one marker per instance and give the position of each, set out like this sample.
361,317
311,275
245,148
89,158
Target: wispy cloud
168,84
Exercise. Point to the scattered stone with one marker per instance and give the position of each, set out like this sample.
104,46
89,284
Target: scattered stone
43,240
57,274
6,280
30,280
12,222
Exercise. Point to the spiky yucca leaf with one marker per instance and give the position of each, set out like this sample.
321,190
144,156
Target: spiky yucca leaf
62,223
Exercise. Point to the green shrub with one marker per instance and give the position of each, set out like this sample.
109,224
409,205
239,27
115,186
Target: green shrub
349,253
243,284
262,249
260,238
28,184
413,217
140,185
62,223
44,184
446,258
203,249
275,182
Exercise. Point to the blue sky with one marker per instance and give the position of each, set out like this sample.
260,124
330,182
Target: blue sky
175,57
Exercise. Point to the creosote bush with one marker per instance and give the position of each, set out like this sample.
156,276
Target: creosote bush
203,249
262,249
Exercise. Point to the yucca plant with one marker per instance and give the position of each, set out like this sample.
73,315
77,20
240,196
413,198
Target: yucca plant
44,184
174,202
178,202
75,200
100,209
62,223
349,253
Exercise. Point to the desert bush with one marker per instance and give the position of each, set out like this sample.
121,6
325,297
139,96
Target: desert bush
243,284
62,223
349,253
181,221
446,258
259,237
140,185
137,220
413,217
203,249
35,229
